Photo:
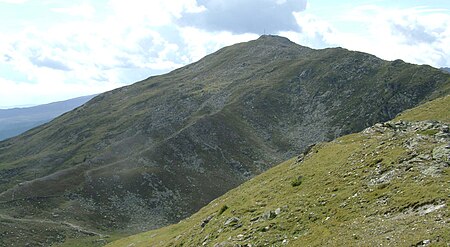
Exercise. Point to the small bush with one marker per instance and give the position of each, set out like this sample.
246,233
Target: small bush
375,162
296,182
429,132
223,209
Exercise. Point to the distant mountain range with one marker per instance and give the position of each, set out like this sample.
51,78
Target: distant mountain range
446,69
18,120
153,153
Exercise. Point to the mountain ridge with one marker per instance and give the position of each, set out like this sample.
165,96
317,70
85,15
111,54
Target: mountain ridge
445,69
158,150
17,120
385,185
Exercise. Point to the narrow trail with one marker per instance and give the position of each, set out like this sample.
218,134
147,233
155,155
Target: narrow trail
63,223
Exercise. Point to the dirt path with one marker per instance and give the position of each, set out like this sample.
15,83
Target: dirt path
63,223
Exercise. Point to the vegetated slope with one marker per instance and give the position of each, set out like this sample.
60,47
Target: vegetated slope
18,120
150,154
387,185
437,109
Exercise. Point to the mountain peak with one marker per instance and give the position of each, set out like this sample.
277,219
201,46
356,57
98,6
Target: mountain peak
152,153
275,39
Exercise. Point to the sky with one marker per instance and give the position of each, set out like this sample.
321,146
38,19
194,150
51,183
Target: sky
53,50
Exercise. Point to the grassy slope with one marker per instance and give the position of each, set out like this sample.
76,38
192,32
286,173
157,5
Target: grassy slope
438,109
152,153
337,203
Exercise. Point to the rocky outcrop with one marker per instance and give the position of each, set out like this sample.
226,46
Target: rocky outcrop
152,153
385,185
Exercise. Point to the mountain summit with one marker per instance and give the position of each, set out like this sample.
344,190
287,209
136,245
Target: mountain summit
152,153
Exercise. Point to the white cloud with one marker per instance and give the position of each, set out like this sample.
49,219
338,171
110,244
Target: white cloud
88,48
152,13
199,42
315,32
14,1
84,56
416,35
85,10
19,93
250,16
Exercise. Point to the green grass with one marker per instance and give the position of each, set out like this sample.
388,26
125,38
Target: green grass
434,110
297,181
428,132
314,211
336,204
177,141
223,209
94,241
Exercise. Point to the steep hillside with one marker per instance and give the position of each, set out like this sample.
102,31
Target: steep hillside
387,185
18,120
150,154
437,109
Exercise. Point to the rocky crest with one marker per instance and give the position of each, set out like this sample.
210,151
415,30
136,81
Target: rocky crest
152,153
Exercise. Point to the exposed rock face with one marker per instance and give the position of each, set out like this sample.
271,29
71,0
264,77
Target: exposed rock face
430,164
152,153
387,185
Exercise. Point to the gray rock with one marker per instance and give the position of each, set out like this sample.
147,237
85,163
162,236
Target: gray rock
442,153
206,221
222,244
278,211
268,215
231,221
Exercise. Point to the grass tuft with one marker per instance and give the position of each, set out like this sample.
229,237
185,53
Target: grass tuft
223,209
297,182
